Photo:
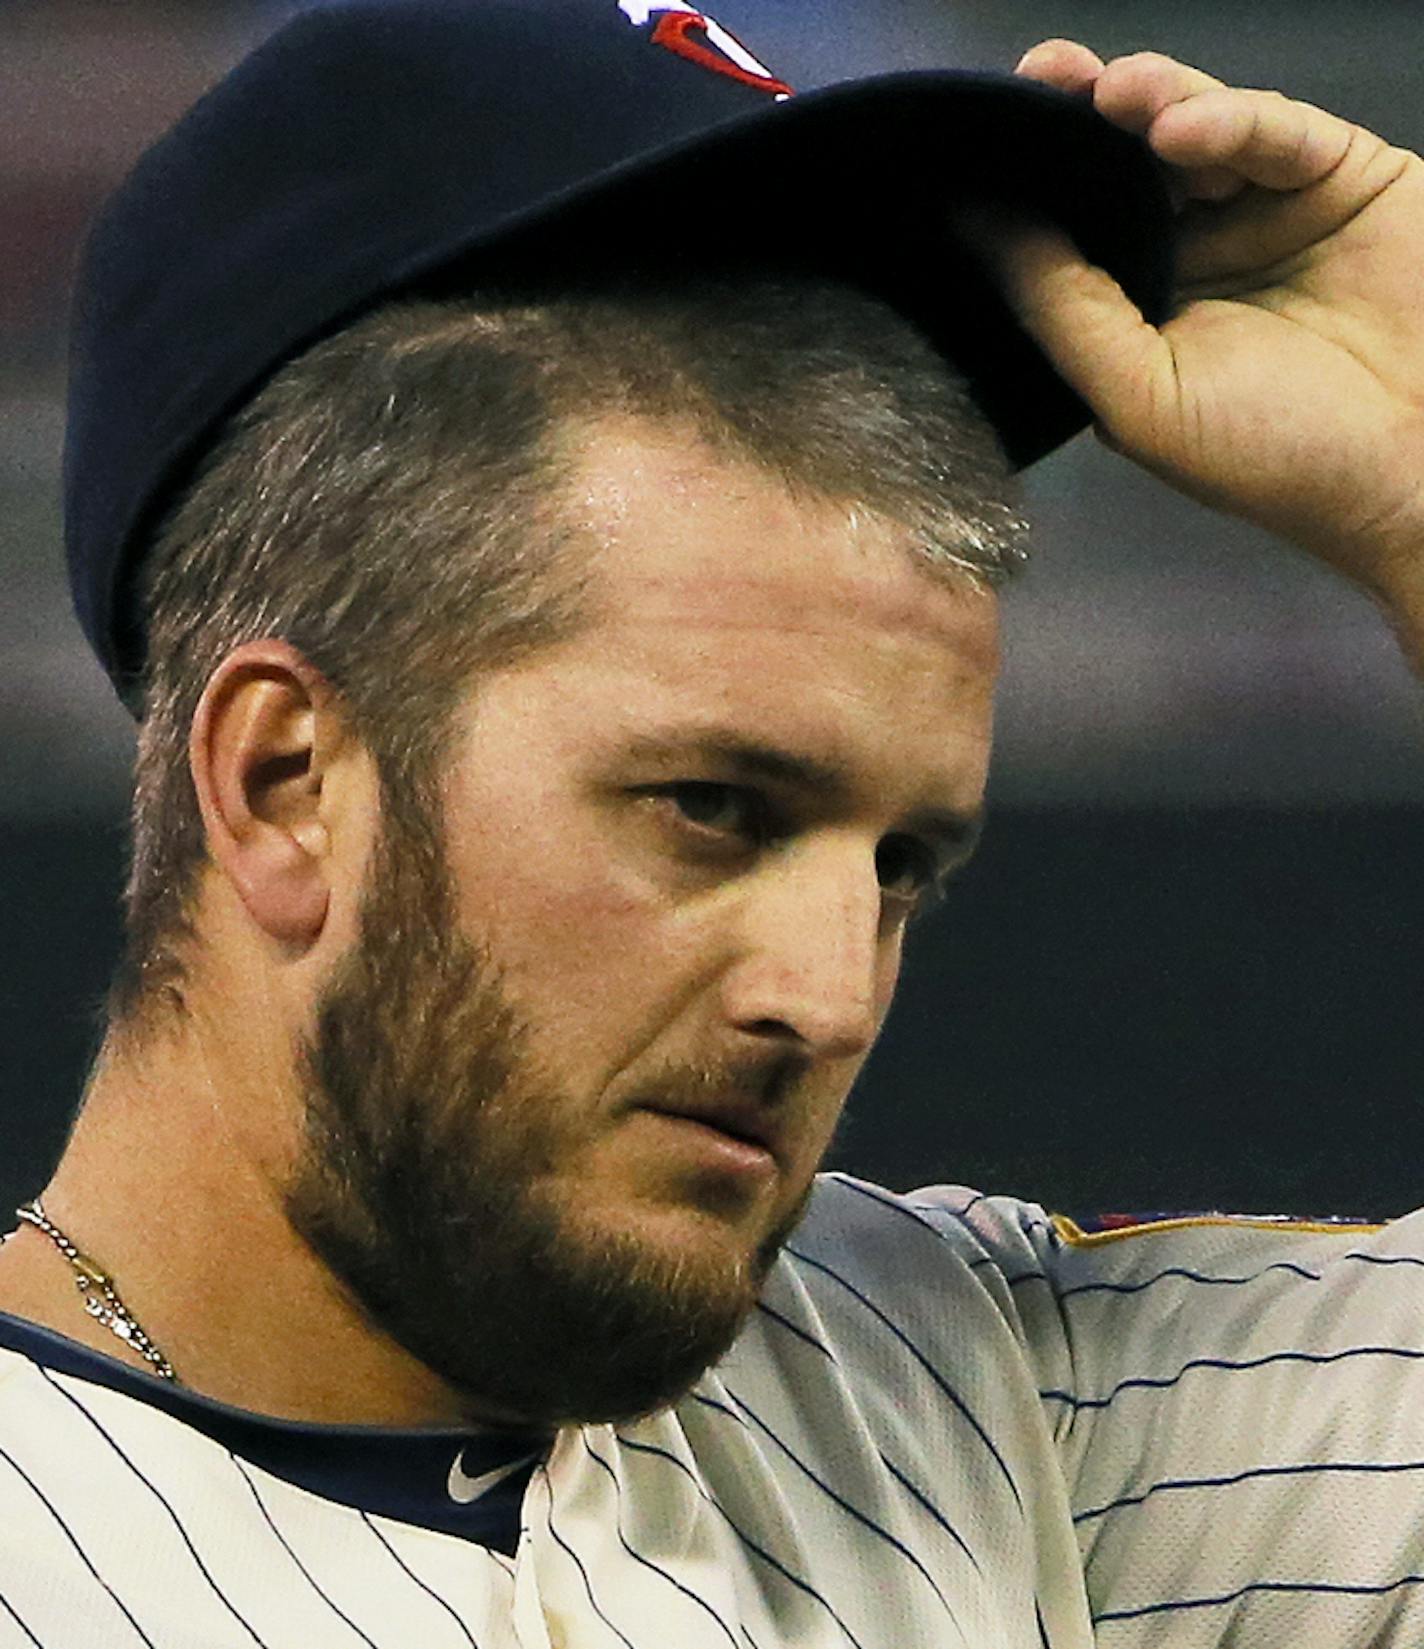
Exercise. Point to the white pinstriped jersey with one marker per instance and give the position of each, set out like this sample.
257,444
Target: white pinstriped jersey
953,1421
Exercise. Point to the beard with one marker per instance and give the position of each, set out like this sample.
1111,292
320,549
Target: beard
424,1181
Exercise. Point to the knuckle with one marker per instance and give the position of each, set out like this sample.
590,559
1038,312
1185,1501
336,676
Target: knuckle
1146,60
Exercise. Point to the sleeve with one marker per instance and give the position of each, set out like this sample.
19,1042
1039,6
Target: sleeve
1238,1404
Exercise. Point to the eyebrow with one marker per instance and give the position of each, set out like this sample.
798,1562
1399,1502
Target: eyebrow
956,831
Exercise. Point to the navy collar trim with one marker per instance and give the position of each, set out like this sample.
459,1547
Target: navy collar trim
407,1474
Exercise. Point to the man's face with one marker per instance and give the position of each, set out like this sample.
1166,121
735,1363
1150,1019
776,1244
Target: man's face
570,1094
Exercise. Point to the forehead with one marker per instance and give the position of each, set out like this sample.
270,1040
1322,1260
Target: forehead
685,533
725,605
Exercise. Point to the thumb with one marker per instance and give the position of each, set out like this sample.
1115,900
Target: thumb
1084,322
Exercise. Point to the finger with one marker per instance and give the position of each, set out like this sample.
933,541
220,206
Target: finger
1223,246
1211,184
1267,139
1205,186
1094,334
1133,91
1061,63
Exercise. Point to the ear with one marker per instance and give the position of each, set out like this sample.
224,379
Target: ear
262,741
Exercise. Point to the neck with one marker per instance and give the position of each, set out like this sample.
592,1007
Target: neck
172,1185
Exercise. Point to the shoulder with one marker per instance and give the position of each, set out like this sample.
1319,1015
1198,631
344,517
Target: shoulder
1096,1308
887,1381
1173,1301
955,1219
1234,1382
936,1274
1239,1261
905,1243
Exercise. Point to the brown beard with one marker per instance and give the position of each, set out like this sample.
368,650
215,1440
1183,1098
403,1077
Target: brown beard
428,1129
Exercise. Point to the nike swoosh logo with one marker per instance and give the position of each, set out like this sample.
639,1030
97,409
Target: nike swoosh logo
464,1489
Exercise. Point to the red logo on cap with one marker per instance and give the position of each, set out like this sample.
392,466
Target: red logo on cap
699,39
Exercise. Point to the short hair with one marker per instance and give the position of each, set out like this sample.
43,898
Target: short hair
388,503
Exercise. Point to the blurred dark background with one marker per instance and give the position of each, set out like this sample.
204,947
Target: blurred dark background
1184,970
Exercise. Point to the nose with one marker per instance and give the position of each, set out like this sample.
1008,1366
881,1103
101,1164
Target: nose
813,963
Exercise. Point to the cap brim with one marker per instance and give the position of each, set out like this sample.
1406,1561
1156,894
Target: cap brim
858,181
861,182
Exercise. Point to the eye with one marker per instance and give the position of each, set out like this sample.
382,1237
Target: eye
907,869
725,809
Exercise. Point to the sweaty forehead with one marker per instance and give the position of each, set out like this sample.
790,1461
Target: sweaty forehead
685,535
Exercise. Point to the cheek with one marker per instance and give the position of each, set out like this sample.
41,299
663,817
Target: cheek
587,953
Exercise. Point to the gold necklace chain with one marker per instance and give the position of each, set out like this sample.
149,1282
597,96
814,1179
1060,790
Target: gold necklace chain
101,1298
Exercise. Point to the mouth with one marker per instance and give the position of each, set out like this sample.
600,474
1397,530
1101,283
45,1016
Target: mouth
740,1135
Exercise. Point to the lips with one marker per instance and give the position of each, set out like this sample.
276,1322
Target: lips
744,1120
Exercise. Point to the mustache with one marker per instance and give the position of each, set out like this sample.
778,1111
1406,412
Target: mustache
768,1081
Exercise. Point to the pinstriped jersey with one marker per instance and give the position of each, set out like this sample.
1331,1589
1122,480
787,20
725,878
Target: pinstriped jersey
952,1421
1239,1410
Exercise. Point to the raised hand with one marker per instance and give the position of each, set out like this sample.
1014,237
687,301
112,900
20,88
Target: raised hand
1289,386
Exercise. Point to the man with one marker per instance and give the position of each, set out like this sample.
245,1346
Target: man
560,682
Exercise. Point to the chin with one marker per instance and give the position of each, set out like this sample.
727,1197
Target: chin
528,1308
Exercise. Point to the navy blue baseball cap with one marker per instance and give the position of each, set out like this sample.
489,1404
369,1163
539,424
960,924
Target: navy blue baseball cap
380,147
